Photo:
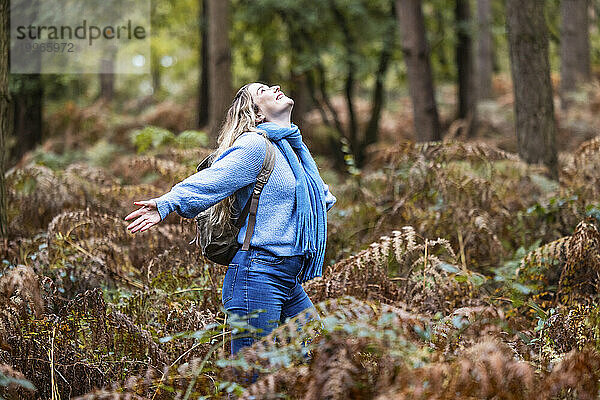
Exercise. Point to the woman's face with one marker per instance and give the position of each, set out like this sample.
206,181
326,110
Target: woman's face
270,100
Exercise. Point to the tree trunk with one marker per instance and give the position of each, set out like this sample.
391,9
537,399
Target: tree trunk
299,92
202,116
484,50
219,60
27,95
107,77
534,110
349,86
5,114
27,108
574,47
377,102
465,65
445,66
420,80
155,73
269,58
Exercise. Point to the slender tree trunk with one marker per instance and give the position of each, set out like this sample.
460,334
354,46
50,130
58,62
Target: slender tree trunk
202,115
269,58
534,109
484,49
155,73
27,117
299,87
219,69
440,50
5,114
27,100
302,90
299,92
465,64
349,87
420,80
107,78
371,132
574,47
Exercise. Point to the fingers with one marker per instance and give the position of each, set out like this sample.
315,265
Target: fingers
149,225
135,225
145,226
135,214
139,227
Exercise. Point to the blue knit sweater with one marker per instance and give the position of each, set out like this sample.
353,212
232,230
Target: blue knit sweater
235,171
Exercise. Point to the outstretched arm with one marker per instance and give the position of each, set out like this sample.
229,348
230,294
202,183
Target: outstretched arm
237,167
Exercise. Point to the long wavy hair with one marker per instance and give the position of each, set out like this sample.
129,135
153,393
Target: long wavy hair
241,117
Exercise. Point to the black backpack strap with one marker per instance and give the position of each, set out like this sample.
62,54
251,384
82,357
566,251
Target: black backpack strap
208,160
252,204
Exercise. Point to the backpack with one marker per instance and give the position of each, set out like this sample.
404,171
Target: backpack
220,247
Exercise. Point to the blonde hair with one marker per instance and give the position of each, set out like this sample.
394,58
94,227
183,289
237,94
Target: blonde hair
241,117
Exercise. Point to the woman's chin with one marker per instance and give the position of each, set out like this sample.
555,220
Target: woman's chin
289,102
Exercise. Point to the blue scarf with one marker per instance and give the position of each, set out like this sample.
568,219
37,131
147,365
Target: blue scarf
311,234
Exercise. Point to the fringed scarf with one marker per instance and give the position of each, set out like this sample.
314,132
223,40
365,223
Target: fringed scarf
311,234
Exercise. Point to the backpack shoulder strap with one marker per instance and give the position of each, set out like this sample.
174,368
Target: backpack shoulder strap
252,204
206,162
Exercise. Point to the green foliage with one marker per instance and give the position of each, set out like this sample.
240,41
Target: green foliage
517,288
56,161
153,137
191,139
102,153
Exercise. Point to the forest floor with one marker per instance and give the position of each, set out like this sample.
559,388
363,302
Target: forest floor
454,270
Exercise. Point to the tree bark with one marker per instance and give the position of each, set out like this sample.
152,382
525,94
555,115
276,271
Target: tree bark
299,86
202,115
5,114
268,62
27,96
534,109
439,51
371,132
107,77
484,50
155,73
465,65
219,64
349,86
420,80
462,16
27,107
300,91
574,47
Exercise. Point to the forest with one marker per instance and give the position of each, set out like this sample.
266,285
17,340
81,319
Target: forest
461,139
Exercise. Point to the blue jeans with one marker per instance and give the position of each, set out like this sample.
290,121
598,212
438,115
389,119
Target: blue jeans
257,279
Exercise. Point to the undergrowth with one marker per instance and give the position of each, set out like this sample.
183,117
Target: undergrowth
456,272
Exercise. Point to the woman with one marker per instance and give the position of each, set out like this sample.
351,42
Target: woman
288,244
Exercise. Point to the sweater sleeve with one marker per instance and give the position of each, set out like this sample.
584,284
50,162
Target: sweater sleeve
329,198
235,168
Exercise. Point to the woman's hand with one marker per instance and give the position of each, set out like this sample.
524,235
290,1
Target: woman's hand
147,216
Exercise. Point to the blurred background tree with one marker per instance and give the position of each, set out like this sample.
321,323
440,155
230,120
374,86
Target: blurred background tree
5,112
347,64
